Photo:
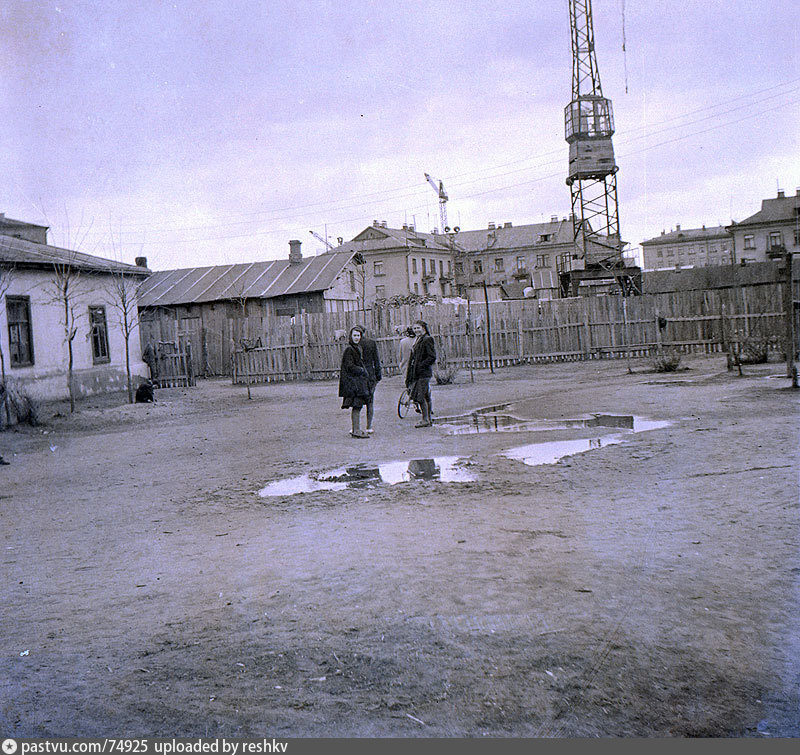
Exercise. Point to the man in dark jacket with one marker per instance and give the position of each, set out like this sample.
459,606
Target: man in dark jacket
372,362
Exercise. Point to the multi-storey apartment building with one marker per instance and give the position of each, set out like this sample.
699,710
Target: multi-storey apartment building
504,253
400,261
773,230
688,247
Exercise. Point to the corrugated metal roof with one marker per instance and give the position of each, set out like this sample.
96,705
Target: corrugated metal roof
23,253
253,280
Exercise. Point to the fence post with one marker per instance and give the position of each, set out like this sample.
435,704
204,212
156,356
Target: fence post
788,308
587,349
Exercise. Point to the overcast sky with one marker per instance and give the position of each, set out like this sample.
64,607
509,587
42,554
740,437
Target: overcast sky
203,132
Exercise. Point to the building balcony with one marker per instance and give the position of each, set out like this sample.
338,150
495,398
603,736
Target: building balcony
776,251
521,272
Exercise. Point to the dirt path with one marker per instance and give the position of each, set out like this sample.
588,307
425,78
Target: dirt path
648,588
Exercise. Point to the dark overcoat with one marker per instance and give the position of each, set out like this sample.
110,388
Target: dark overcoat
423,357
353,376
372,361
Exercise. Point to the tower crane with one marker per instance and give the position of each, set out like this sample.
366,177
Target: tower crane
325,241
438,187
592,176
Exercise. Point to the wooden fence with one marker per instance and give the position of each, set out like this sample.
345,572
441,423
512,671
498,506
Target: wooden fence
309,346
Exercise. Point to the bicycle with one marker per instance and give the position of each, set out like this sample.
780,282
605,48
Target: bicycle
404,404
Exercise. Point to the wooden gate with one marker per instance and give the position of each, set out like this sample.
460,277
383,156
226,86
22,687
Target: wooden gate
173,365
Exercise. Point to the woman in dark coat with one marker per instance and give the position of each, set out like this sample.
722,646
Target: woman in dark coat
354,381
420,371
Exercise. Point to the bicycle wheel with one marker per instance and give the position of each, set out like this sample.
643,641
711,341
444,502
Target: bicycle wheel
403,404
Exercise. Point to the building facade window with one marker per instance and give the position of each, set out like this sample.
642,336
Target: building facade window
99,333
542,260
459,267
377,267
477,266
499,265
380,292
413,264
433,267
441,268
416,287
352,280
20,332
520,263
749,241
775,239
424,268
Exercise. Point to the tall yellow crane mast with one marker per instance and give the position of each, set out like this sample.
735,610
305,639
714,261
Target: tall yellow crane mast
592,175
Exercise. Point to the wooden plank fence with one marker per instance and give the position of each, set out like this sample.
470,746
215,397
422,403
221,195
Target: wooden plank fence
309,346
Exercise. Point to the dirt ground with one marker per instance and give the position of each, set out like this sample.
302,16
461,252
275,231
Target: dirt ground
648,588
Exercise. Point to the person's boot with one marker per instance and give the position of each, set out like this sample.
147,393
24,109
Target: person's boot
426,417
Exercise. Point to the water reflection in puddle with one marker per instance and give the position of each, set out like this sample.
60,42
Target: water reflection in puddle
535,454
490,421
441,469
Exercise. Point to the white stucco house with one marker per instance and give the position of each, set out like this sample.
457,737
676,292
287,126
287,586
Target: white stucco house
33,342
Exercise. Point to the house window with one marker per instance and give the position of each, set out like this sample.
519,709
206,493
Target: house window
477,266
449,267
416,287
377,267
659,253
414,264
498,264
749,241
520,263
797,236
99,332
542,260
433,267
545,237
459,267
423,267
20,334
352,280
441,268
775,239
380,292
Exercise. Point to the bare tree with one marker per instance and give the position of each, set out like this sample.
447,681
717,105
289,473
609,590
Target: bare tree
6,277
122,300
66,291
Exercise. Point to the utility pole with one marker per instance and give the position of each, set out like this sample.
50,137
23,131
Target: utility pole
788,309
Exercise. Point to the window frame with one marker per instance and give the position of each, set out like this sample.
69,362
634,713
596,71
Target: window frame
98,335
13,324
377,268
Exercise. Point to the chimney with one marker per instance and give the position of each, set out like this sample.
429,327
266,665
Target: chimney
376,223
491,226
677,226
780,194
141,261
295,255
383,224
506,225
339,240
554,218
663,232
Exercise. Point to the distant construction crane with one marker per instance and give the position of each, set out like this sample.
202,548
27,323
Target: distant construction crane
438,187
325,241
592,177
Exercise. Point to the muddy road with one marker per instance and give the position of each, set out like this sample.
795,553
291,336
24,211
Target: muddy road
645,587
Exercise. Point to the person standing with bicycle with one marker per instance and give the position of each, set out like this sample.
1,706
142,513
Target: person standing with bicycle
420,371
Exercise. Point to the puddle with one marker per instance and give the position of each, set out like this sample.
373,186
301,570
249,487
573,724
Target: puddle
490,421
550,452
441,469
